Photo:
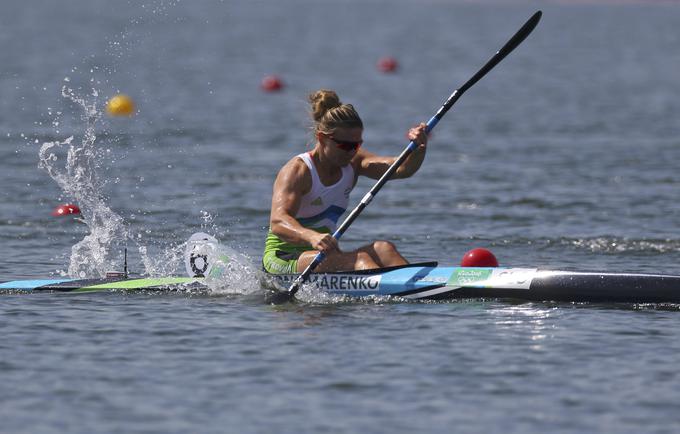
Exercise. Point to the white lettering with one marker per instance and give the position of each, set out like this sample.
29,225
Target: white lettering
339,282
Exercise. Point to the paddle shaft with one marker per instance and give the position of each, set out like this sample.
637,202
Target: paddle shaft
517,39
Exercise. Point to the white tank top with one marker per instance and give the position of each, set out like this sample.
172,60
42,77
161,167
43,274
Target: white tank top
321,208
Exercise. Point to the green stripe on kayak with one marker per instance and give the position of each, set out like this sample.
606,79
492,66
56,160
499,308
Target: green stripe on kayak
138,283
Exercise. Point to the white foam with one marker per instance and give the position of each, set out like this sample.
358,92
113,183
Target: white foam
78,178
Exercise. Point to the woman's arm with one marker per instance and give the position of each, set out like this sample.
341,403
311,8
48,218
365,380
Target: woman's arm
293,182
374,166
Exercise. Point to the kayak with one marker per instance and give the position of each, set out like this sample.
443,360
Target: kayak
424,280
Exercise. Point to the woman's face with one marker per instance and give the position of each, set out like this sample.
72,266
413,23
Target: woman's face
342,145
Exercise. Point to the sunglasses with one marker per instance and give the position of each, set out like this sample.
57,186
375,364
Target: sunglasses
345,145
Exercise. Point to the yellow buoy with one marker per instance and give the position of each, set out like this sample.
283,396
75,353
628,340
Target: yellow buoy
120,105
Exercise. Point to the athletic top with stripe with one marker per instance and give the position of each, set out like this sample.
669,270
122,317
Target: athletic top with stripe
320,209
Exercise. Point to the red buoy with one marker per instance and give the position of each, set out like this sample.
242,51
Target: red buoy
479,258
66,209
387,64
271,83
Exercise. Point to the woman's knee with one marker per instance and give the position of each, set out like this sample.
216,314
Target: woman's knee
384,247
364,261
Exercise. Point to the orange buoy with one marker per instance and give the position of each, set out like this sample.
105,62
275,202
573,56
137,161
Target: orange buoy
120,105
271,83
387,64
479,258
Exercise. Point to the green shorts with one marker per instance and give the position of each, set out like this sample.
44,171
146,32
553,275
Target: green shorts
280,262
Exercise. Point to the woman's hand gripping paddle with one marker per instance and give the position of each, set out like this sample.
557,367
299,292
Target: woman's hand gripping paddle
278,297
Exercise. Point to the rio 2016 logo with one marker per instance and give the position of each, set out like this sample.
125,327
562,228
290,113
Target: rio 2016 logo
468,276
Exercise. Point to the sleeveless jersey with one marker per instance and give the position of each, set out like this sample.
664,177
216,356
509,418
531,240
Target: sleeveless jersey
320,209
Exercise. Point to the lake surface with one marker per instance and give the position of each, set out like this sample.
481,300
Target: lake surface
565,156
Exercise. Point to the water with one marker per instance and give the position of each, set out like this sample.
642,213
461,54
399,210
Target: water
563,157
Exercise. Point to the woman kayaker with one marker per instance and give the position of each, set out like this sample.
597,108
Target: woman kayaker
312,190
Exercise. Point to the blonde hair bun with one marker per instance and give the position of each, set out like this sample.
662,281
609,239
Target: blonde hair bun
322,101
329,113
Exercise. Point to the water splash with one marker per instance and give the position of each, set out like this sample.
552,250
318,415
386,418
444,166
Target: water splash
226,270
101,250
79,180
162,264
237,273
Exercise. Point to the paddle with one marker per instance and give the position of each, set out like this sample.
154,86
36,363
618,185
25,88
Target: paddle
278,297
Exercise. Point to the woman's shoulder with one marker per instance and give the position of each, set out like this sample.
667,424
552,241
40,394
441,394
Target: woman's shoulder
297,165
295,173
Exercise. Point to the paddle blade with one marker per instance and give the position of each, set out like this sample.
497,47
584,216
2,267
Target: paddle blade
501,54
521,34
273,296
